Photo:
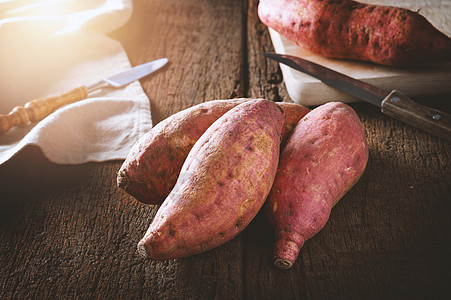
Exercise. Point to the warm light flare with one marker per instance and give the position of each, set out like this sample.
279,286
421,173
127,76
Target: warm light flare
41,40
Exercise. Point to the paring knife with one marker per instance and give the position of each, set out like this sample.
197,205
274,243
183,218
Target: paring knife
38,109
392,103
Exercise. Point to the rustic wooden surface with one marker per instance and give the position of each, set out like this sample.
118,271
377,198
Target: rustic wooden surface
66,231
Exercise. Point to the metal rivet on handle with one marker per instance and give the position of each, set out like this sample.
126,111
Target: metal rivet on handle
436,117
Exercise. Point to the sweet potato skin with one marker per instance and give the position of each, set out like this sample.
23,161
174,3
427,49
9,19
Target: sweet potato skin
151,168
222,185
352,30
153,165
324,157
293,113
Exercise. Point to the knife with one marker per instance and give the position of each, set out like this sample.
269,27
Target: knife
392,103
38,109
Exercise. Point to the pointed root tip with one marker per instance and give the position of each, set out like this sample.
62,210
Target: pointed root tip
142,250
286,249
283,263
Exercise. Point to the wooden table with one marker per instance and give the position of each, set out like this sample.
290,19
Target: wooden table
67,231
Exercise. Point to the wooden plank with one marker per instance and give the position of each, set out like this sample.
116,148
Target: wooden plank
203,42
387,238
264,75
68,232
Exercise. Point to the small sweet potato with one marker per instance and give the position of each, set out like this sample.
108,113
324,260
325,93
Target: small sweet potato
348,29
222,185
324,157
293,113
153,165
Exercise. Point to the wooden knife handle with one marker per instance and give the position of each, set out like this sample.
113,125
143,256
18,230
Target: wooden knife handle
38,109
401,107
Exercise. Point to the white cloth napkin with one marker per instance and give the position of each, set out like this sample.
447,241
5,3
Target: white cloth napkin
49,47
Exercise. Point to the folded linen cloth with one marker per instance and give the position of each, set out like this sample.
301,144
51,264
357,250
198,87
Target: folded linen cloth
49,47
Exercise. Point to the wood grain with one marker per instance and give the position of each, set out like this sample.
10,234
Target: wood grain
67,231
263,75
203,42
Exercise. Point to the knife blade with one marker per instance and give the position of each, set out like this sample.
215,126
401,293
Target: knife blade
392,103
38,109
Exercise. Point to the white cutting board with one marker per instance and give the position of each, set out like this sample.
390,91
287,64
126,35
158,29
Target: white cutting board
416,81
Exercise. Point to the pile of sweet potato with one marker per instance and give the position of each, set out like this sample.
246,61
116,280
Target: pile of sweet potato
213,166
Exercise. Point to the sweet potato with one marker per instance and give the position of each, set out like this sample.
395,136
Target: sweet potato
152,167
348,29
293,113
324,157
222,185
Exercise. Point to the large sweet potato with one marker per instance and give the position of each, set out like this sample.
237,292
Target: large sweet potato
151,168
153,165
348,29
222,185
324,157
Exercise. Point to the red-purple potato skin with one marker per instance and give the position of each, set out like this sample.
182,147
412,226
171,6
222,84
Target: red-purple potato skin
385,35
153,164
222,185
324,157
